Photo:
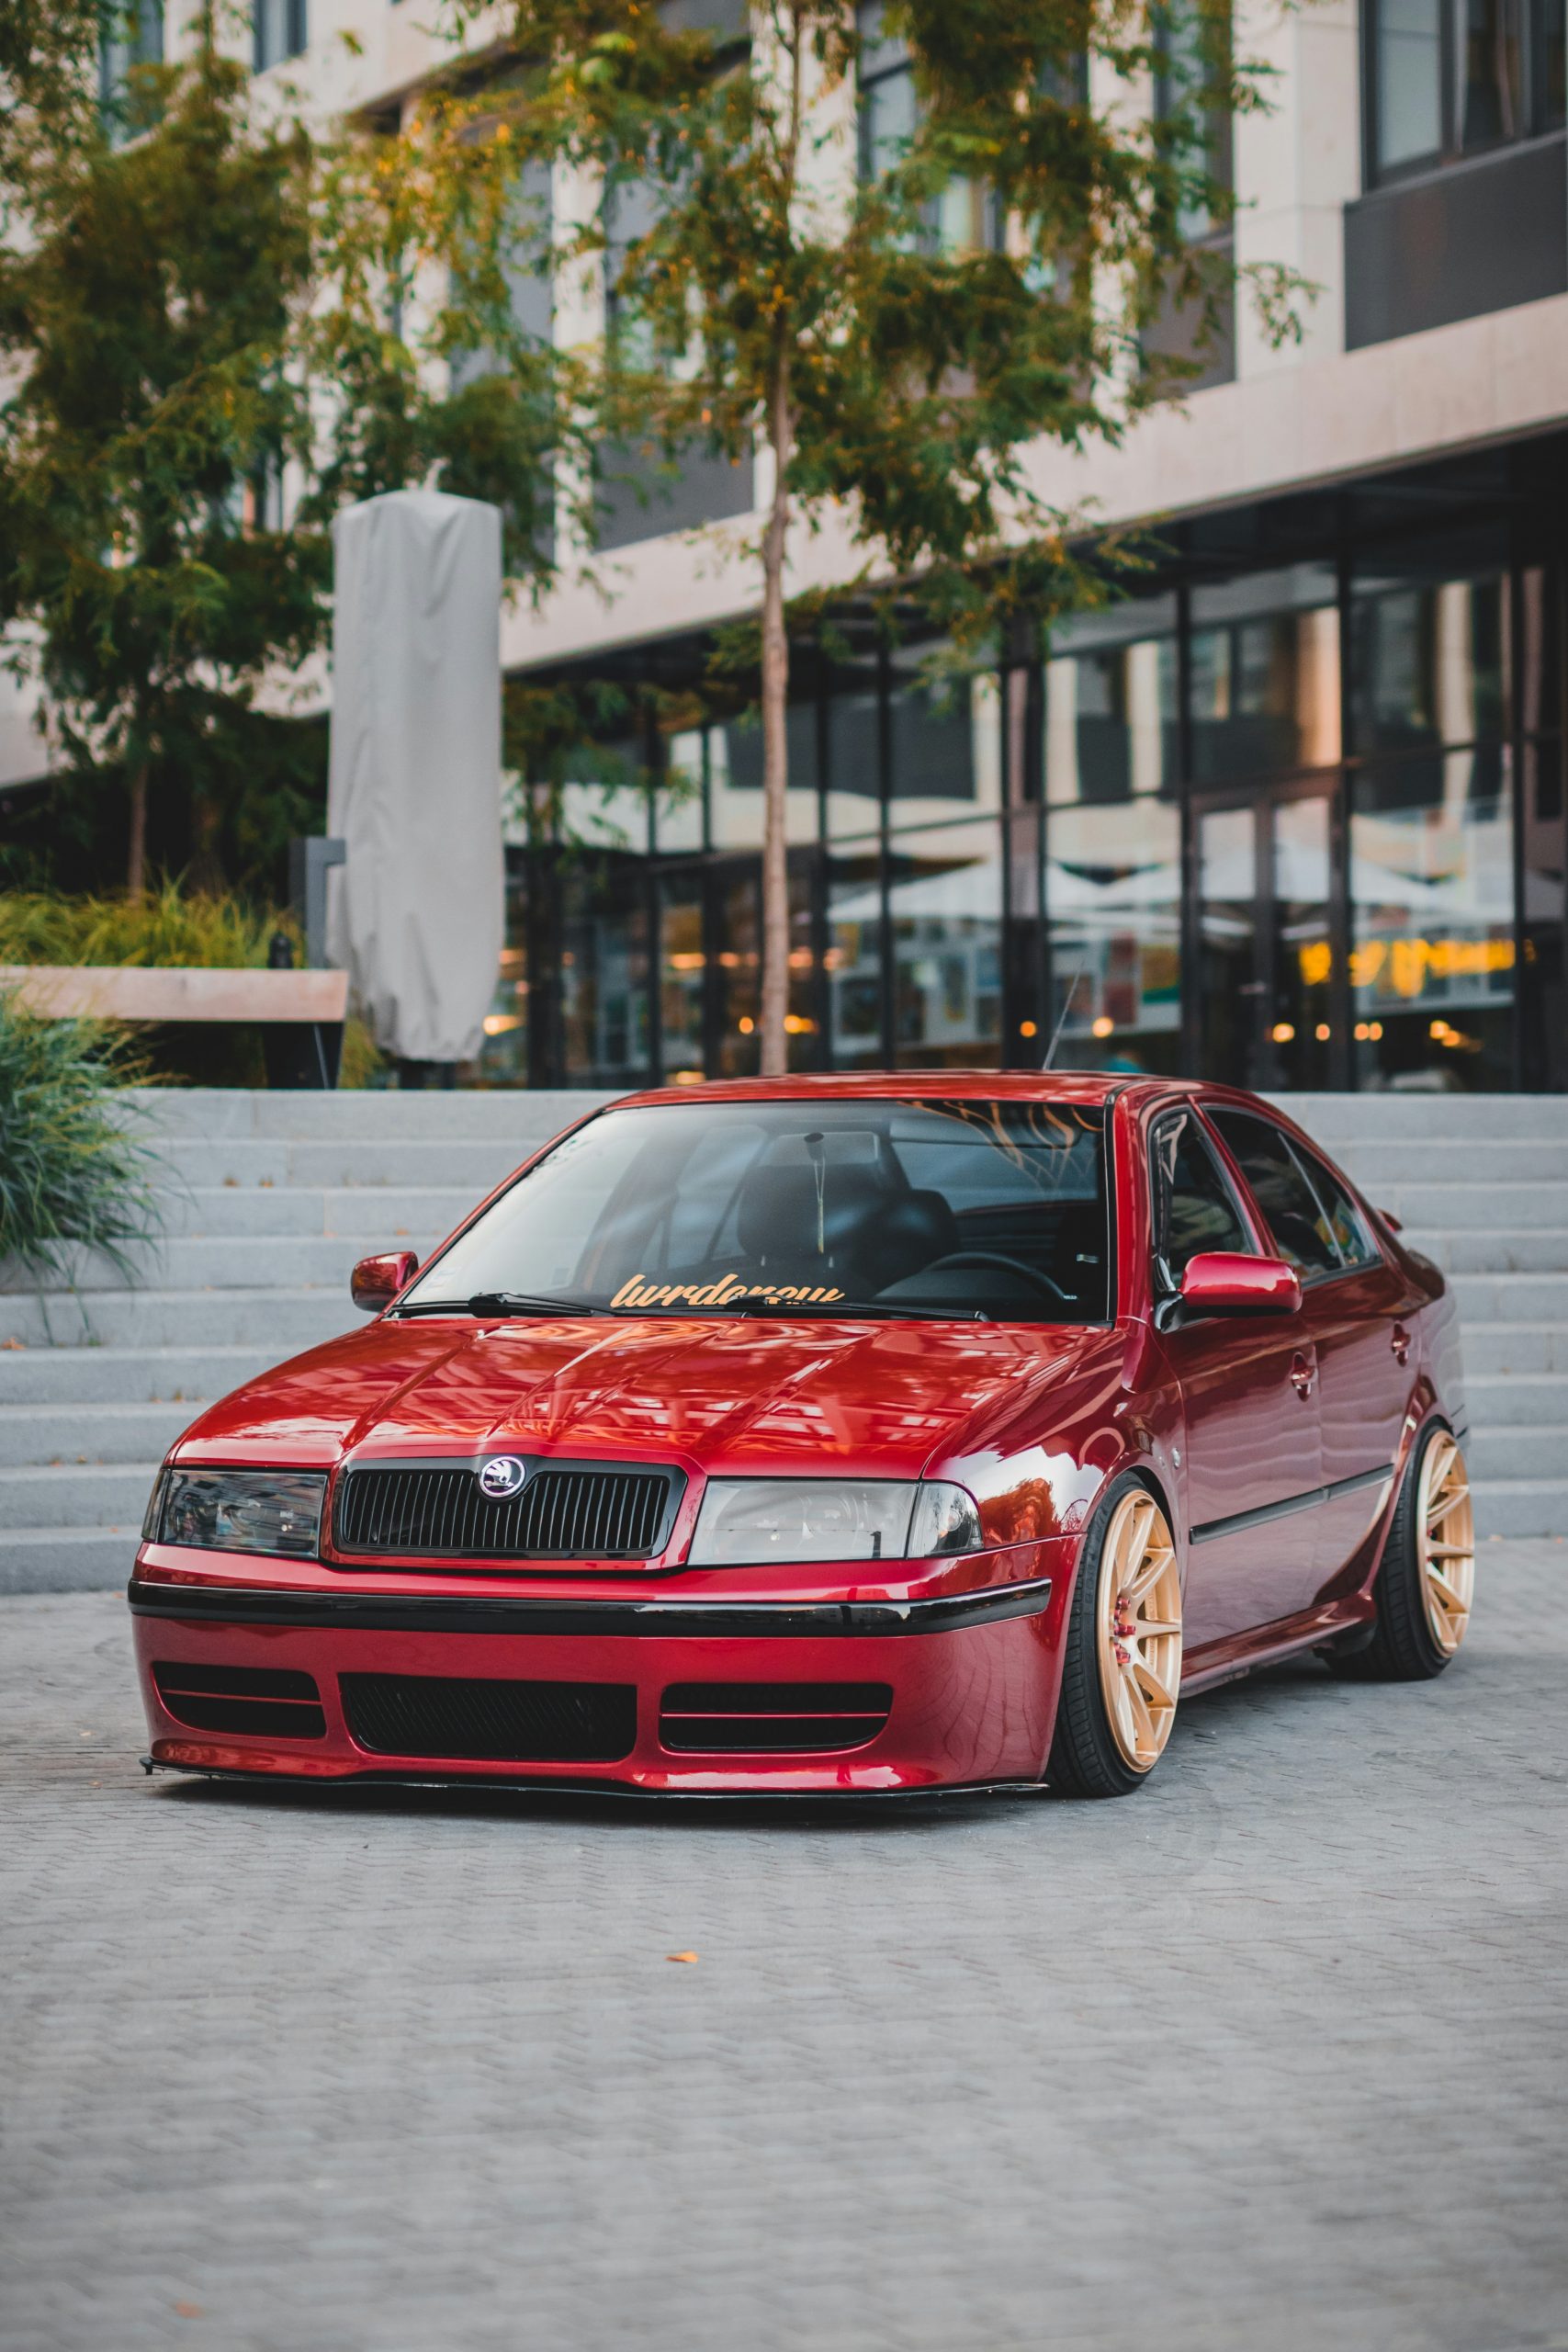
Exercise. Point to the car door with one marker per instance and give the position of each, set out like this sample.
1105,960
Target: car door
1251,1444
1352,1305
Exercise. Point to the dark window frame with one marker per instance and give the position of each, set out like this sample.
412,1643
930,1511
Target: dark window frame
1240,1198
1450,151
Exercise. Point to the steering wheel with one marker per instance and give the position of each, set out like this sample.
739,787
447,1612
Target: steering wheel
1012,1266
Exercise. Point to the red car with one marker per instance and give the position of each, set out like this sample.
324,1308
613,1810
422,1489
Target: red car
872,1433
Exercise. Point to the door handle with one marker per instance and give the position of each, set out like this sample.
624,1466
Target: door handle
1304,1371
1399,1340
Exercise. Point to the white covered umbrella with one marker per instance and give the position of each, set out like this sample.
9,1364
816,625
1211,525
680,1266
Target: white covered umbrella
415,790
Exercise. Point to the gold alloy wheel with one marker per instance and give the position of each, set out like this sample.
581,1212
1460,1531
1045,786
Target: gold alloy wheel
1138,1629
1445,1538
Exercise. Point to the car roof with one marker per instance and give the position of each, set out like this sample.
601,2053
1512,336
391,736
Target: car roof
1091,1088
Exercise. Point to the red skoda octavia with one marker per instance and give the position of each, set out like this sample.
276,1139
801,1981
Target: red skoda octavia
828,1435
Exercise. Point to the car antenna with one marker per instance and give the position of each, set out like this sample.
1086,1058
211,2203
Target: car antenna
1062,1016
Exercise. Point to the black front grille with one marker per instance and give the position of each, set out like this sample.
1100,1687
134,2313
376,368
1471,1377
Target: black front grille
762,1718
564,1512
509,1722
266,1701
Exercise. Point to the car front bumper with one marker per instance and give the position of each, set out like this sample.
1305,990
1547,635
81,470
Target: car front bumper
969,1674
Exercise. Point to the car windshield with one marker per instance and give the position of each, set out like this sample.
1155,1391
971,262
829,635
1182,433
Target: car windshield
941,1209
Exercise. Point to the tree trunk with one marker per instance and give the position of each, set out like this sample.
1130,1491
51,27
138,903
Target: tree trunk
775,736
136,858
205,869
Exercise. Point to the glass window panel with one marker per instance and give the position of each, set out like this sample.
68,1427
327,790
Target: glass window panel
1111,722
1552,104
604,973
1113,903
1409,114
1432,899
854,764
1274,1178
1430,664
1194,1207
606,804
1227,915
735,779
739,971
946,740
1490,72
1302,1008
1266,674
682,972
854,956
947,946
1347,1226
679,813
1545,848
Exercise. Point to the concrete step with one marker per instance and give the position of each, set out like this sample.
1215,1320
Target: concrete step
67,1559
1518,1453
1437,1118
55,1436
278,1322
1519,1400
234,1262
1446,1207
1519,1507
241,1162
1375,1165
1510,1298
94,1494
366,1213
519,1113
1480,1251
1492,1350
39,1376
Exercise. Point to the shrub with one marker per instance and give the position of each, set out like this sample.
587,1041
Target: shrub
164,927
70,1170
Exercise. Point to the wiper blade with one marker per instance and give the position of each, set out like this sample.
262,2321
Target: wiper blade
856,1311
501,1302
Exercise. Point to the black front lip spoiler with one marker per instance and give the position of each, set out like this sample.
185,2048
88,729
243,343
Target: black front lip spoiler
658,1618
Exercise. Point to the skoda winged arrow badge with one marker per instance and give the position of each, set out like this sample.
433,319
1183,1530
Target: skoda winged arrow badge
501,1478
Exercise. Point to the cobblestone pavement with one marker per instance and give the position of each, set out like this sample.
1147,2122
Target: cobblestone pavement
1269,2058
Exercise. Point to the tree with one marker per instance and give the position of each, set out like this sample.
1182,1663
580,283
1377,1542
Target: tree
895,372
199,315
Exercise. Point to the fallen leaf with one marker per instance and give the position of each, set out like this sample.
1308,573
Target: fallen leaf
688,1956
13,1344
189,2311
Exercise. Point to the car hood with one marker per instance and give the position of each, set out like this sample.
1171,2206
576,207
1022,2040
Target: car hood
892,1399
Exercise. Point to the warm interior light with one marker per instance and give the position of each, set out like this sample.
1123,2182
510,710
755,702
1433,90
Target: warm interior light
798,1026
747,1025
1374,1029
1028,1029
1322,1032
498,1023
1282,1032
686,1078
1363,1031
1439,1029
1104,1025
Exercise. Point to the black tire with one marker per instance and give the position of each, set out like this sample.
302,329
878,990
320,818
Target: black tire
1086,1759
1402,1648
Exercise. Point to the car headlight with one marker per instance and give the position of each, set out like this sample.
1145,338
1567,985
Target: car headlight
239,1510
746,1521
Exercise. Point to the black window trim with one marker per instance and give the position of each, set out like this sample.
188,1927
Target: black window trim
1265,1119
1241,1199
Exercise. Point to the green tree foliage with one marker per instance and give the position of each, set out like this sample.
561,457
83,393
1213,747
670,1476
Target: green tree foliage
895,372
218,329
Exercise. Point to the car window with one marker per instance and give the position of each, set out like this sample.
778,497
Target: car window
1194,1207
1346,1222
946,1207
1278,1182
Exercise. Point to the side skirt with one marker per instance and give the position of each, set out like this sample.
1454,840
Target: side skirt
1226,1661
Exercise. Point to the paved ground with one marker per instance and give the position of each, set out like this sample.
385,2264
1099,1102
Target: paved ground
1269,2058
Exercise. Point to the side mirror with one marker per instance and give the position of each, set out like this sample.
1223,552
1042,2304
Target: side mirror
1223,1282
376,1281
1393,1224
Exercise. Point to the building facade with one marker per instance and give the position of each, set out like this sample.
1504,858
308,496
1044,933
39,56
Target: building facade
1293,815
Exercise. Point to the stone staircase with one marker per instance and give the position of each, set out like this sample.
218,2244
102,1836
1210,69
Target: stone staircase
1480,1186
272,1197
